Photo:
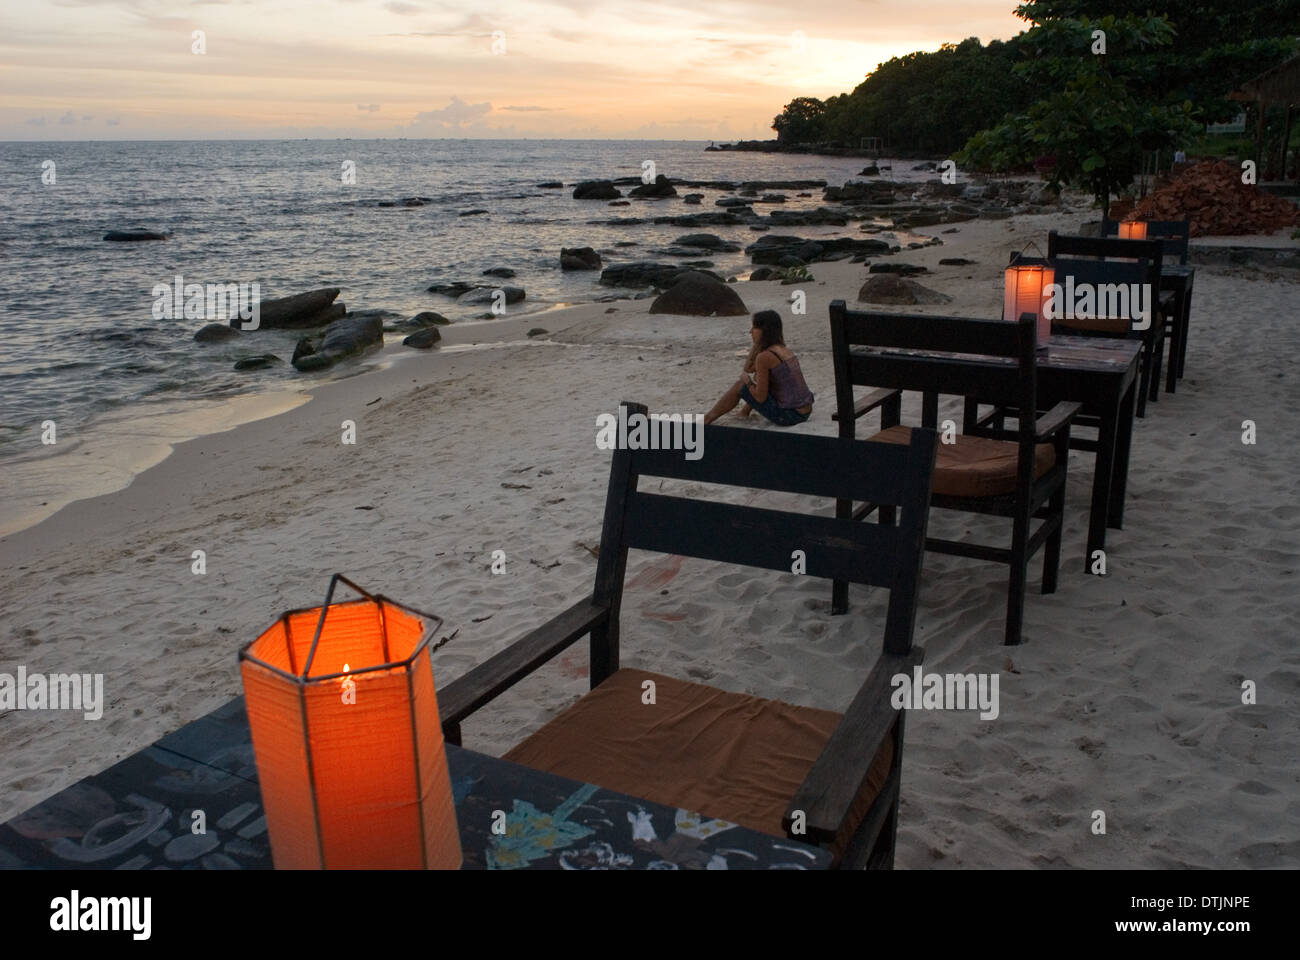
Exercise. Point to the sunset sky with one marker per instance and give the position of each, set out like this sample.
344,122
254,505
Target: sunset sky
671,69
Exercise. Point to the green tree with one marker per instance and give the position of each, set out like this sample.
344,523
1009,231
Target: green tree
800,121
1101,118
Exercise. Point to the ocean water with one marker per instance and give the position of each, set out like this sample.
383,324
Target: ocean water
80,342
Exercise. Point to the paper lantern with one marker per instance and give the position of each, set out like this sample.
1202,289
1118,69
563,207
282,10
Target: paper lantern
1133,230
350,756
1027,287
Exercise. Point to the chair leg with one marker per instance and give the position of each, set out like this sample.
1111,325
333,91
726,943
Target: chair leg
1019,576
1144,381
1052,548
1175,338
840,588
1157,364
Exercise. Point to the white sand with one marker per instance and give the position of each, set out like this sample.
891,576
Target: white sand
1125,697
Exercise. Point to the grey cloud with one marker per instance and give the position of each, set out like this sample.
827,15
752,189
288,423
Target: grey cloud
455,115
368,107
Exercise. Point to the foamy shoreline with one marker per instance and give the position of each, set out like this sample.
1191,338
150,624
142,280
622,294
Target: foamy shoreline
1126,696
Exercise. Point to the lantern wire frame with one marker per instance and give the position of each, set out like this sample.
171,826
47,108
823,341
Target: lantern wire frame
433,625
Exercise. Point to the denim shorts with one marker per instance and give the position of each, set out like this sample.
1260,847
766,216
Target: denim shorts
781,416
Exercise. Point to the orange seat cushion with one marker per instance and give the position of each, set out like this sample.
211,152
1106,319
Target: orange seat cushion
976,466
727,756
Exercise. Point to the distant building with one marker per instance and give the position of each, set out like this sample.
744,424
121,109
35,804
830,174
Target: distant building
1236,125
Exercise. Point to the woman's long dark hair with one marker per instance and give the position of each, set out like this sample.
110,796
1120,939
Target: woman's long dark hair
769,322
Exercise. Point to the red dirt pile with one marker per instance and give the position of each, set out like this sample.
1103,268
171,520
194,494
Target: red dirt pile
1212,196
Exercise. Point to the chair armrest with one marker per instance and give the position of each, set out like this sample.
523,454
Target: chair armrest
869,402
1053,420
503,670
828,792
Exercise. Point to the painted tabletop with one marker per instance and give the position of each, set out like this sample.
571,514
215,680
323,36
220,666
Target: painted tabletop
140,813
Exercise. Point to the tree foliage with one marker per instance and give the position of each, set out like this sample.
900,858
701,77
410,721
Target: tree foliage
925,102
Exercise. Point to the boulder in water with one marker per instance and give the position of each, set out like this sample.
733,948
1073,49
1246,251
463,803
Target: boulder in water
215,333
579,258
315,308
423,339
486,295
660,188
596,190
258,362
343,338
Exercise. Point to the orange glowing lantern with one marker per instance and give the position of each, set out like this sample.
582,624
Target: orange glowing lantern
1027,287
350,755
1133,230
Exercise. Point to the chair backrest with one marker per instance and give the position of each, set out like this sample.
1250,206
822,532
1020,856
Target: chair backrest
919,352
1114,290
1175,236
823,467
1108,248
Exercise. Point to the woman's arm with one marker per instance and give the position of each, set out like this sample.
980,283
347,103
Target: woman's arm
763,365
749,360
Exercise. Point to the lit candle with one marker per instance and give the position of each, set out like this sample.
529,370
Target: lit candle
1026,289
1133,230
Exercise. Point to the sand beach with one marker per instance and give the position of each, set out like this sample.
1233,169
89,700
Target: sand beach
1126,696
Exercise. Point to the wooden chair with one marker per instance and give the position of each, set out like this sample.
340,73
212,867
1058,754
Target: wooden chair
763,764
1018,474
1175,238
1071,252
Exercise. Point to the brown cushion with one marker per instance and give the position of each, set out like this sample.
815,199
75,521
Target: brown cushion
976,466
727,756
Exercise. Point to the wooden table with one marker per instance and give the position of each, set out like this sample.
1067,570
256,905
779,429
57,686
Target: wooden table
136,815
1101,373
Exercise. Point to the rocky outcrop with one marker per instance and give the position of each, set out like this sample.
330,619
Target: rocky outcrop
504,272
893,289
343,338
696,294
551,185
693,198
596,190
770,248
720,218
133,236
640,273
579,258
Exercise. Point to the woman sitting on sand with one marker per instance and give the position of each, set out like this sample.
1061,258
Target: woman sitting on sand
772,383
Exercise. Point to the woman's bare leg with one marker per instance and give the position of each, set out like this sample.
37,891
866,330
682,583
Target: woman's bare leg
726,403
